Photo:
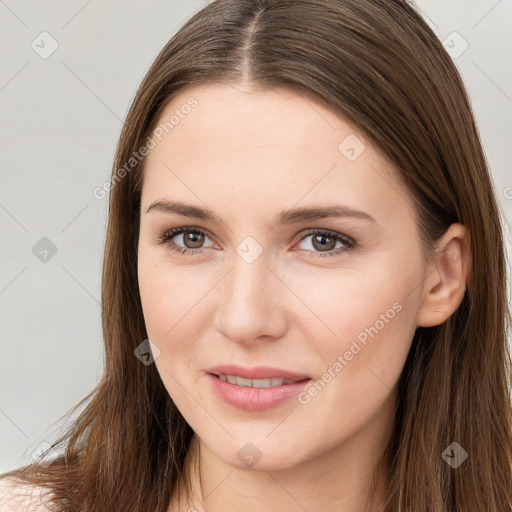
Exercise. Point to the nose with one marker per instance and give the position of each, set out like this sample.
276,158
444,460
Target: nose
251,305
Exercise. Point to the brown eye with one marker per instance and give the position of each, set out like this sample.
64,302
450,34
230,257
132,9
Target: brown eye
323,242
326,243
193,239
185,240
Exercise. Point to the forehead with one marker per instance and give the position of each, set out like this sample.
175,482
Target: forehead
267,147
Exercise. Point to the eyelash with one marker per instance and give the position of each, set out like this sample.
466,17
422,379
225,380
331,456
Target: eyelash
166,238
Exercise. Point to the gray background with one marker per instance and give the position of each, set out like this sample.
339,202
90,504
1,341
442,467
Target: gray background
60,120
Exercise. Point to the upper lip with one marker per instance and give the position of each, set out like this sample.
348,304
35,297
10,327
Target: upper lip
256,372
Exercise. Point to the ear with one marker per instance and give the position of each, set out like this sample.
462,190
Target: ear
446,278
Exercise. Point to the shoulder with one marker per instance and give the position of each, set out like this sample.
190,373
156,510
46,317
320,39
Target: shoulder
17,496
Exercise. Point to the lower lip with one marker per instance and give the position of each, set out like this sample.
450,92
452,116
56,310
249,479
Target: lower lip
255,399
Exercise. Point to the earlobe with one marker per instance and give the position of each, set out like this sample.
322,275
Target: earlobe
446,278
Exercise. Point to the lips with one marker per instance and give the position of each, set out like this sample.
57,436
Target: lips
254,399
255,383
257,372
257,388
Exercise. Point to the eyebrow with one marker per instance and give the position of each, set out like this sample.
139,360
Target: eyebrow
293,216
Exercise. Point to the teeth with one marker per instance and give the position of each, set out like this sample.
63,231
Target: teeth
243,382
255,383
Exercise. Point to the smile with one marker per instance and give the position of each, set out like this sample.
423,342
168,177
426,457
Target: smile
255,395
255,383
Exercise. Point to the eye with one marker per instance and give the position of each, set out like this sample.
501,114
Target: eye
322,243
189,241
192,239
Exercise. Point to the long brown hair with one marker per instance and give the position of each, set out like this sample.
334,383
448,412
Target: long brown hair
379,65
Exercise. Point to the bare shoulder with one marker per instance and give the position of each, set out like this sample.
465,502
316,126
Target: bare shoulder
16,496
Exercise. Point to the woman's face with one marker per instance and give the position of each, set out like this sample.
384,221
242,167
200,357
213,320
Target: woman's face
301,260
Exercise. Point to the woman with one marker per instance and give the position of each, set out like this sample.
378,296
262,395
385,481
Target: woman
304,287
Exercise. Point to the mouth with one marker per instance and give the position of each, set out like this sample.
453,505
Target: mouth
255,389
256,383
256,376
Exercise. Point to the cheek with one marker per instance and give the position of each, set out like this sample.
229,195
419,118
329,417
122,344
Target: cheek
359,368
363,328
168,300
168,295
173,304
344,302
359,377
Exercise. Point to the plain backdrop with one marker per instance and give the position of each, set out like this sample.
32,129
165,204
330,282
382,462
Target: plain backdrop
68,73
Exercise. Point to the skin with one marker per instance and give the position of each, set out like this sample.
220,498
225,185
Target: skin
248,155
